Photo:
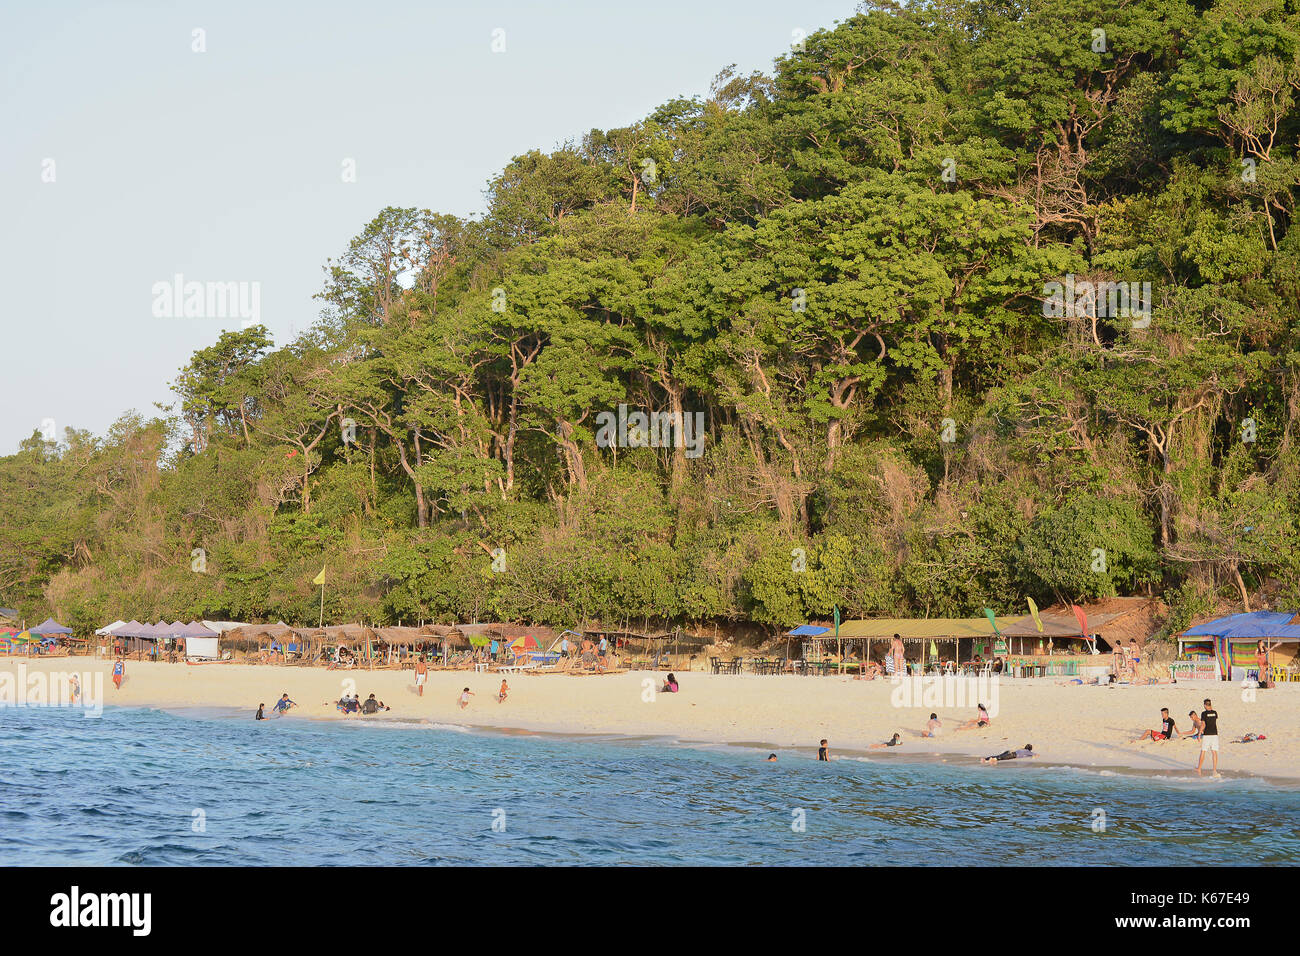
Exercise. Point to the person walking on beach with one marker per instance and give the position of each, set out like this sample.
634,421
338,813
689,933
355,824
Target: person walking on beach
1209,737
1167,729
283,704
421,675
74,690
823,752
465,695
119,671
503,692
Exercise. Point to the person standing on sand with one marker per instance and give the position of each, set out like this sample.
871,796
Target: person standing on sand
503,692
896,652
119,671
421,675
1209,737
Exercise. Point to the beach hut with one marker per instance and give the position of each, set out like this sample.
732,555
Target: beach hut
960,636
1231,642
1111,622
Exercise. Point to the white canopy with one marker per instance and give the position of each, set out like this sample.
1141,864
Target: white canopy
221,627
105,631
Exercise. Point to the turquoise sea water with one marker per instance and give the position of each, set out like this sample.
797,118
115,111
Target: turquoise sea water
144,787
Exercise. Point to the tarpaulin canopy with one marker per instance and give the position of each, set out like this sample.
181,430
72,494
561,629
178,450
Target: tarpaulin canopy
195,629
808,630
50,626
1250,626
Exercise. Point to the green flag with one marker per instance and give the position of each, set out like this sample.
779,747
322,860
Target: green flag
1001,646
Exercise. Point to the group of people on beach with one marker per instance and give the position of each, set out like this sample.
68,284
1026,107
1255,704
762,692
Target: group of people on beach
1204,728
355,705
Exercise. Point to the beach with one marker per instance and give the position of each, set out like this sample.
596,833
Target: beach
1079,725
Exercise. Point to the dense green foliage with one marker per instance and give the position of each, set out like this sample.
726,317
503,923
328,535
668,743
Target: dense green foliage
843,268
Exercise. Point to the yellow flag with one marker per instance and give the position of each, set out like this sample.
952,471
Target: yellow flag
320,578
1033,609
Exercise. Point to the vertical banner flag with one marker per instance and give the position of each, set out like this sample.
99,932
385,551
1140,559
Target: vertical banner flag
1033,610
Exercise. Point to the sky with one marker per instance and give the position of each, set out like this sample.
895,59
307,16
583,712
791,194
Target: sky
238,142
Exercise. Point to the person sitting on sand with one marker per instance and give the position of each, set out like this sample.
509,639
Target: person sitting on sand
981,719
933,726
371,706
465,695
503,692
260,715
670,685
823,752
1197,726
1167,729
894,741
283,704
1026,751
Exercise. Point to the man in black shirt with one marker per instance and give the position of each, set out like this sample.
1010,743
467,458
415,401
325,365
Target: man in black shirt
1167,729
1209,737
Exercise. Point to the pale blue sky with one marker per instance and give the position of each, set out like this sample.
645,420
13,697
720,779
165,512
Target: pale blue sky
226,165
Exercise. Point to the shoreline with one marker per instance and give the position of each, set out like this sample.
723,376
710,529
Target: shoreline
1081,726
879,758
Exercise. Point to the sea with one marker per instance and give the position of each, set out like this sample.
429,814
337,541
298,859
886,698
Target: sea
144,787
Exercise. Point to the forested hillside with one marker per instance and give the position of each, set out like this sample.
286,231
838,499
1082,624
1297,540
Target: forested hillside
973,302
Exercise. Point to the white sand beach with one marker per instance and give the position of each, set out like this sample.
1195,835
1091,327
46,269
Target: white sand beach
1081,725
